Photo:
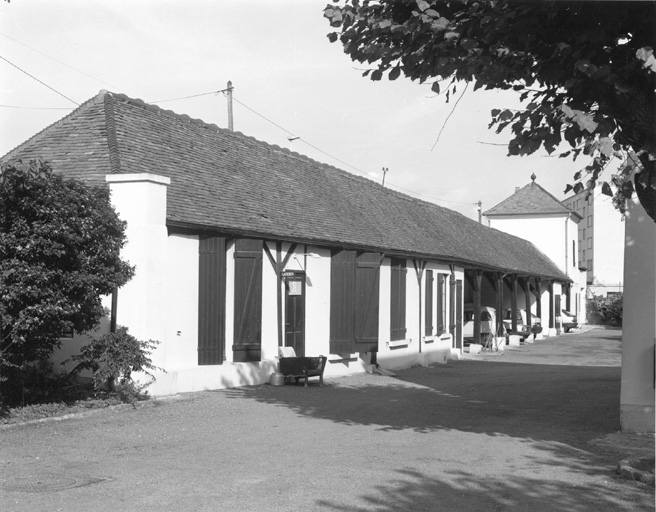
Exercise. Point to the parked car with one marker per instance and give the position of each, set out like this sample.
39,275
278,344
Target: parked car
569,320
488,322
522,326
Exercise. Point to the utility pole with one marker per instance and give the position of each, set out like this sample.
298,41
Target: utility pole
229,95
480,211
385,170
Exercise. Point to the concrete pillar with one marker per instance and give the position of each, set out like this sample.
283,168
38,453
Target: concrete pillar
639,321
140,200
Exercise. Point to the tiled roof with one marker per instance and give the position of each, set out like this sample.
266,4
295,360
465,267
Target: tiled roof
530,200
228,182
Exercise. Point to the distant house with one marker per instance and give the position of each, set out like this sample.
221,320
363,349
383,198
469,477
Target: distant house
242,247
536,215
600,242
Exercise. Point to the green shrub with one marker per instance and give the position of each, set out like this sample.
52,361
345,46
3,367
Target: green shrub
113,357
607,309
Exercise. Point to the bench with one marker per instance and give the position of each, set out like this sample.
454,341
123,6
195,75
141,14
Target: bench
298,368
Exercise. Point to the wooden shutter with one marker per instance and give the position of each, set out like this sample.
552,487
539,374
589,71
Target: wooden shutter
428,306
342,301
211,300
248,300
397,300
452,305
441,303
367,292
458,296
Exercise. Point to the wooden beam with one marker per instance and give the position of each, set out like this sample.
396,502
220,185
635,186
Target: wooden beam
513,301
538,297
477,277
499,303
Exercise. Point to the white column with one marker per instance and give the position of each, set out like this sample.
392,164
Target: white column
639,321
140,200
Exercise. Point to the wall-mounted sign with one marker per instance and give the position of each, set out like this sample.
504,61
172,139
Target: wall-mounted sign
292,273
295,287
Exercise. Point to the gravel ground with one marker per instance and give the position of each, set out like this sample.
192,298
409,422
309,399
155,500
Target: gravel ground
516,432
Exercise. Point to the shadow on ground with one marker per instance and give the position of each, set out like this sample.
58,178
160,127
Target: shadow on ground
551,403
412,490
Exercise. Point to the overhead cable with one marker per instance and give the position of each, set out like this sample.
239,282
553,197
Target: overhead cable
41,82
59,61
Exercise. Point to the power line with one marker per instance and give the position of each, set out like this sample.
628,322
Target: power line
277,125
343,162
59,61
41,82
37,108
192,96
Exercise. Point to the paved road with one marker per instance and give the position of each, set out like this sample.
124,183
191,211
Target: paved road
503,433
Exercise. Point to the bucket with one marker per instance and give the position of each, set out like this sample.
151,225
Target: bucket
277,379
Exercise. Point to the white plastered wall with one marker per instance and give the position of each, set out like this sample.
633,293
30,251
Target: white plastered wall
639,322
417,347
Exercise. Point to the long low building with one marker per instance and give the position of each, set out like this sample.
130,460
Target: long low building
241,247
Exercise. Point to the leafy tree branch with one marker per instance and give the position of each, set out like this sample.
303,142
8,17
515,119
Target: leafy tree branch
585,71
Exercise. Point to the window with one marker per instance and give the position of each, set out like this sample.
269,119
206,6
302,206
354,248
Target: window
354,301
441,303
583,213
589,221
397,300
589,265
590,243
211,300
248,300
574,253
428,307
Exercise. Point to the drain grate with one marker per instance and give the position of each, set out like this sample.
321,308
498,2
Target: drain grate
46,483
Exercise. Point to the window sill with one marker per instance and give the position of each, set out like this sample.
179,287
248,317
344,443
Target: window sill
398,343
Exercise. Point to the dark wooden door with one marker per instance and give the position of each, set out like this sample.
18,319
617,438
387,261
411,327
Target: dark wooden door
295,314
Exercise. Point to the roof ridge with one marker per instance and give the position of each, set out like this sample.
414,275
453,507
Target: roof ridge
560,203
519,194
40,134
288,152
112,141
212,126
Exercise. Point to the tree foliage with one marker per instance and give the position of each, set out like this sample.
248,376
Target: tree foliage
586,72
59,254
609,309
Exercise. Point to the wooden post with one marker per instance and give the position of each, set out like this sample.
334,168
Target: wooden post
478,276
500,329
526,286
513,302
229,94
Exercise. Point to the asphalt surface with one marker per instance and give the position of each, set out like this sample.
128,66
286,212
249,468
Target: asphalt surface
534,429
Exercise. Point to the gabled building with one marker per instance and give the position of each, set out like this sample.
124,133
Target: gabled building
241,247
536,215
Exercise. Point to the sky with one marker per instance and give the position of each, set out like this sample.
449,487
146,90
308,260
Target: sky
292,88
